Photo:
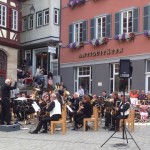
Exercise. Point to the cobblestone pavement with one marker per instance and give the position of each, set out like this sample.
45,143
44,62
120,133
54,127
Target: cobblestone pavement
73,140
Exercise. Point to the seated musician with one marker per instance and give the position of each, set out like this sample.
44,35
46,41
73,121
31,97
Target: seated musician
122,112
85,111
55,114
74,104
110,110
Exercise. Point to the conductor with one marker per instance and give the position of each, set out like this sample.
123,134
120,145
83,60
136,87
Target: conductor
5,90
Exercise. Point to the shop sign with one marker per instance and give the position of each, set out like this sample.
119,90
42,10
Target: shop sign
102,53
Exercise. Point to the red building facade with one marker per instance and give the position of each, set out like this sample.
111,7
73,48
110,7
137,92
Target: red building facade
96,34
10,26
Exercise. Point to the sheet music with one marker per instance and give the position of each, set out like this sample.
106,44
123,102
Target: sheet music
21,99
36,107
69,108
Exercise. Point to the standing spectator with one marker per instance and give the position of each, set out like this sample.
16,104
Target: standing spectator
81,91
142,95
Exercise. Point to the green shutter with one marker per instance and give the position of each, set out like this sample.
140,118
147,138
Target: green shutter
70,33
117,23
92,28
108,25
136,20
84,31
146,18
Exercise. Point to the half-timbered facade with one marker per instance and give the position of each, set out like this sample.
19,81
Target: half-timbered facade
9,38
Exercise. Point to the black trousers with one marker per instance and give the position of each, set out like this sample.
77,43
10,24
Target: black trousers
116,120
44,122
78,119
5,115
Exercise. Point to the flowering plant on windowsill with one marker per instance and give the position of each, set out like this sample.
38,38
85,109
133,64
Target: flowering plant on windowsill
73,3
75,45
100,41
147,34
125,36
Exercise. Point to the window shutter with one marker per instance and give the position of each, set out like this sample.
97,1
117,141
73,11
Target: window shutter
136,20
92,29
146,18
84,31
108,25
70,33
9,23
117,23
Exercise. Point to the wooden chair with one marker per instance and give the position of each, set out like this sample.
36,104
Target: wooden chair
93,119
129,120
61,121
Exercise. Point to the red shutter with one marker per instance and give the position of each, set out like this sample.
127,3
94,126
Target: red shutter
19,21
9,25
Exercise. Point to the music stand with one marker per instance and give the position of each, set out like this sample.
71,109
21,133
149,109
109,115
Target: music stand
22,99
124,128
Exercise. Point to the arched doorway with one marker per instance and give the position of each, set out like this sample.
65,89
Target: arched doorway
3,67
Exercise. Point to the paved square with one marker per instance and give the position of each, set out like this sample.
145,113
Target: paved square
73,140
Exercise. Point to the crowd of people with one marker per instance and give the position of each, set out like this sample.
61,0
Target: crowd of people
50,101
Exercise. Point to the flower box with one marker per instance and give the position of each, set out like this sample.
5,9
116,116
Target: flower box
100,41
125,36
147,34
73,3
75,45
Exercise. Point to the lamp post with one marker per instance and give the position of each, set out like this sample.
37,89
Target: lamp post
59,46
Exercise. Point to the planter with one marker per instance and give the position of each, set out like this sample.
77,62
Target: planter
100,41
73,3
75,45
125,37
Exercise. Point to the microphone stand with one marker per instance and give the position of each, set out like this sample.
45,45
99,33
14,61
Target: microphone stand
124,128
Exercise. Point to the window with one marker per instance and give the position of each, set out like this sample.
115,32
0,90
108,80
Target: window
2,15
14,20
82,76
39,19
56,16
78,32
24,24
46,17
100,27
116,83
30,22
127,21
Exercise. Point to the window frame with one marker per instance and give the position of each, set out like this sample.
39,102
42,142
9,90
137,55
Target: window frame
37,19
112,79
79,36
44,15
30,22
5,16
96,34
24,23
14,21
57,16
126,11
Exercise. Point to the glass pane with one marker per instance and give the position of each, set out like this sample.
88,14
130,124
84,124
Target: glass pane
111,70
84,82
111,86
116,68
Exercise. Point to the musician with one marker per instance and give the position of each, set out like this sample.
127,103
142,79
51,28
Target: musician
122,113
74,104
85,111
111,111
55,114
104,95
5,90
